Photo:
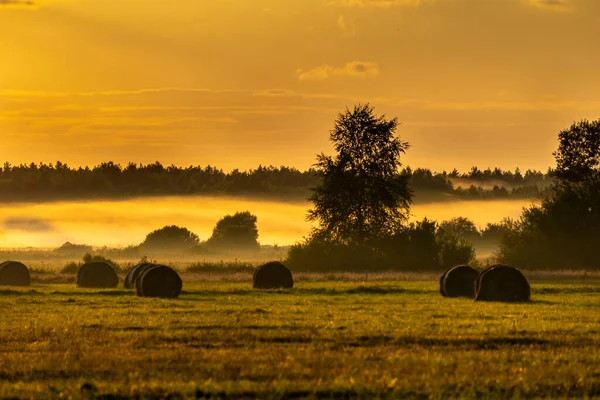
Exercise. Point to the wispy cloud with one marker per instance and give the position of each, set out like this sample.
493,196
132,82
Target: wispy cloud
380,3
28,225
357,69
554,5
16,3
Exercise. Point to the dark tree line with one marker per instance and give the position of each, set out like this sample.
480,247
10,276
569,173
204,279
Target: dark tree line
32,181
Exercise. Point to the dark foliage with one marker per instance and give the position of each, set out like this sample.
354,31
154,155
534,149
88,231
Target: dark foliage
171,238
459,281
272,275
14,273
578,154
159,281
502,283
417,247
235,232
34,181
97,274
563,231
362,204
361,195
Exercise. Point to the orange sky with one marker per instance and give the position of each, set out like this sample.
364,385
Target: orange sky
237,83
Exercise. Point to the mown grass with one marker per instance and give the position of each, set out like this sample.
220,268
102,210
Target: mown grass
386,339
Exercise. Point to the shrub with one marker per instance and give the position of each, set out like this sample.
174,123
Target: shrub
236,232
419,247
71,268
171,238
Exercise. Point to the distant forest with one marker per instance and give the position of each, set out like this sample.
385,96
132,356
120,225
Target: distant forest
109,180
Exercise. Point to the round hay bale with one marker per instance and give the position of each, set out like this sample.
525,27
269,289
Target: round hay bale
459,281
442,292
159,281
273,275
97,274
478,280
502,283
134,274
14,273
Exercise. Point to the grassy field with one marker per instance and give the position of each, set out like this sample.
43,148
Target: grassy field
322,339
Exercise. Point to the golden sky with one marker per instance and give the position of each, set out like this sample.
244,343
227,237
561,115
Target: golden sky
237,83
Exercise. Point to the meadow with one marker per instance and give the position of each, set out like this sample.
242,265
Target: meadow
392,336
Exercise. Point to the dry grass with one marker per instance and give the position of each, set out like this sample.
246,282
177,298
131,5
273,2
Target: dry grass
328,339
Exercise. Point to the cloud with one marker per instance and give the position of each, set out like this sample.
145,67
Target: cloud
554,5
16,3
28,224
380,3
356,69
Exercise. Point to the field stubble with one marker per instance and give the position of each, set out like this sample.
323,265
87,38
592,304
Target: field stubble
323,339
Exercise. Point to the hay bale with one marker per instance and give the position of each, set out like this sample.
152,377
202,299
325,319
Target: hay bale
459,281
478,280
442,292
159,281
273,275
14,273
134,274
97,274
502,283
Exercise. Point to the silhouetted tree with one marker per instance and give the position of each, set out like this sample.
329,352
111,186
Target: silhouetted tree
235,232
361,195
563,231
578,154
460,228
171,238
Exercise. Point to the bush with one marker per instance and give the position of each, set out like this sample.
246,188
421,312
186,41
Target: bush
236,232
171,238
71,268
419,247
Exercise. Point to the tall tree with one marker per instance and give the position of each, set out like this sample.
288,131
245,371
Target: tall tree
578,154
362,194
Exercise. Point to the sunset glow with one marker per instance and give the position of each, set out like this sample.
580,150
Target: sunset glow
240,83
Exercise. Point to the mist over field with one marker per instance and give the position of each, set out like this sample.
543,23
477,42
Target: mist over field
127,222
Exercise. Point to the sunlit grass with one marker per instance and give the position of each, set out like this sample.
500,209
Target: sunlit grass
321,339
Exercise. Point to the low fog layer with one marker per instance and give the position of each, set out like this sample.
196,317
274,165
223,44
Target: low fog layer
124,223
